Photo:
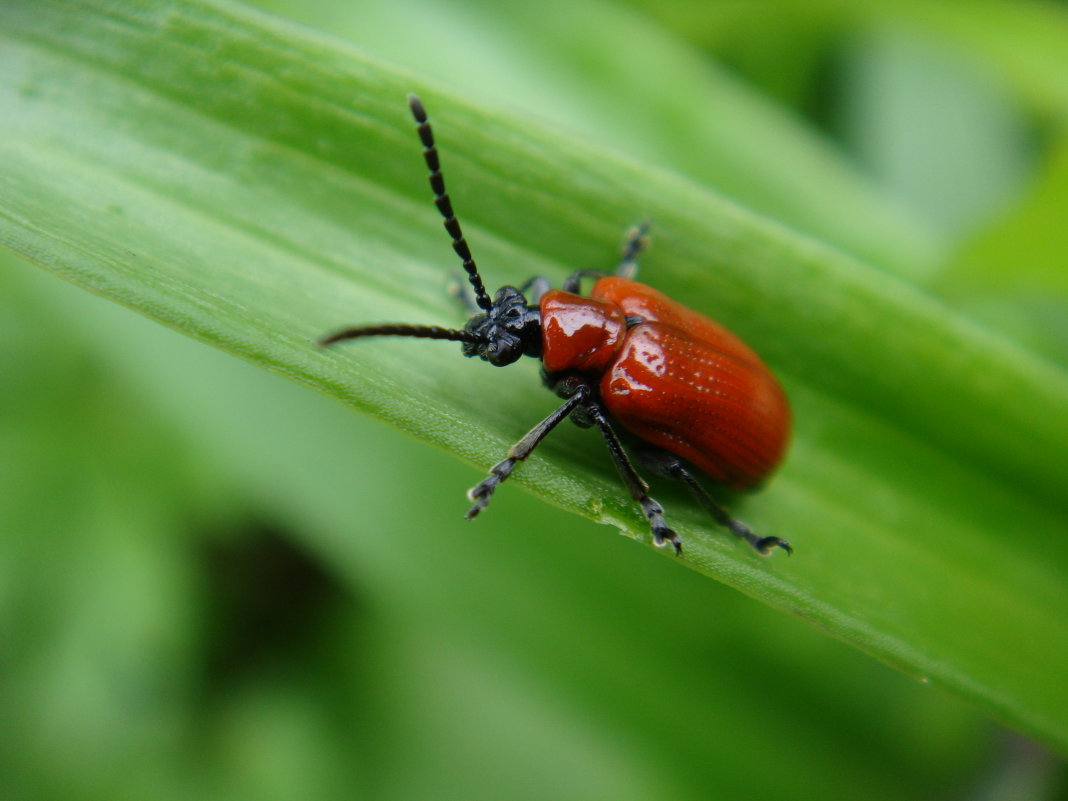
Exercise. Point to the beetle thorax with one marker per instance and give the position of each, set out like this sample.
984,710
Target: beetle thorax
579,333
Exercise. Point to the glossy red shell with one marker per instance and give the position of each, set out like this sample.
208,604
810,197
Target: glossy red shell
678,379
580,333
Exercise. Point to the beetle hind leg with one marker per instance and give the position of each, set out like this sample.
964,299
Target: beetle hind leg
667,464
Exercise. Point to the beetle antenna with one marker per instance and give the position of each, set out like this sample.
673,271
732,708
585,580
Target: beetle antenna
444,204
400,330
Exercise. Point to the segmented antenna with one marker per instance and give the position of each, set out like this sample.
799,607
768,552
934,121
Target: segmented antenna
441,200
399,330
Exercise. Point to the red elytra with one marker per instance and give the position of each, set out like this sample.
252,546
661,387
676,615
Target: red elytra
678,379
688,390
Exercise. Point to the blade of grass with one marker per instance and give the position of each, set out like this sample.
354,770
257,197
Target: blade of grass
636,88
254,186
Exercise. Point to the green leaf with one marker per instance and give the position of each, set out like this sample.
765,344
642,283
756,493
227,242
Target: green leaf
255,186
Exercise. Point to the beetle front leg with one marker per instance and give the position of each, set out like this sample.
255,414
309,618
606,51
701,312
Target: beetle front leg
481,493
639,490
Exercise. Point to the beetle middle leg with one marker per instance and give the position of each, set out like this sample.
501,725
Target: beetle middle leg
639,490
668,464
637,240
534,287
480,493
573,283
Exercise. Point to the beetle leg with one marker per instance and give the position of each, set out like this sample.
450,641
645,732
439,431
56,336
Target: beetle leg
573,283
637,240
667,464
480,493
533,288
639,490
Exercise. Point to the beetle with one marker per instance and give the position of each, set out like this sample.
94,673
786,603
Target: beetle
683,387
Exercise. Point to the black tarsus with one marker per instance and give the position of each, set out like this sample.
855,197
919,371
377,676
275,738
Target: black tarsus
444,204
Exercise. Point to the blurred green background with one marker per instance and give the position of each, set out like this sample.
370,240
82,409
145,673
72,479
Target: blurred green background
215,583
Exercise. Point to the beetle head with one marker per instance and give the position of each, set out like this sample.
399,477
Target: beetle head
510,328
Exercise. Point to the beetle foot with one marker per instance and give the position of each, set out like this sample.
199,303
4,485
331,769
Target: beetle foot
762,545
481,493
662,534
765,544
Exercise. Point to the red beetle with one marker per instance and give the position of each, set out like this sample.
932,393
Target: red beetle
688,389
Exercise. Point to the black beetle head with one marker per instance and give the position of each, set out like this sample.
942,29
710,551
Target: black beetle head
510,329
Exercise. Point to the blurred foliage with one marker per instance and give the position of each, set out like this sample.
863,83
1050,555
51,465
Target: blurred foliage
216,584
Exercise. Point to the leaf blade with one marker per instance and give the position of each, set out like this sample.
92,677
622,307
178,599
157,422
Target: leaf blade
255,186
